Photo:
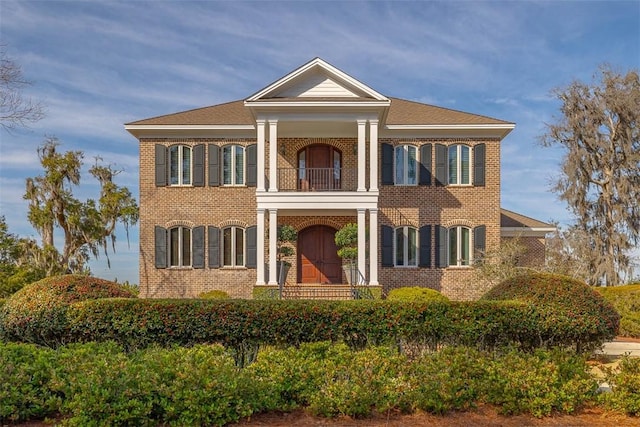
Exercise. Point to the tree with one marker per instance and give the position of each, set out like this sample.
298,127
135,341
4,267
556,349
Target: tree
14,274
502,263
568,253
86,226
600,180
15,110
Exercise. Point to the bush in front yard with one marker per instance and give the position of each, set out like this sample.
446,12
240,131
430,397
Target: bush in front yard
37,313
570,309
416,293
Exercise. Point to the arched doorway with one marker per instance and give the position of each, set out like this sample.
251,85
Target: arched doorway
319,168
318,260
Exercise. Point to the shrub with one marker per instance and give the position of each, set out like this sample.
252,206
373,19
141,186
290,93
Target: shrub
214,294
38,312
625,387
416,293
572,312
25,378
626,300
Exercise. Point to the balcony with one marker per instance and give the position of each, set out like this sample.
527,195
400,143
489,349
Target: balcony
317,179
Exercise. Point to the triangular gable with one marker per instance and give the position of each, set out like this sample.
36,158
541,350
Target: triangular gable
317,79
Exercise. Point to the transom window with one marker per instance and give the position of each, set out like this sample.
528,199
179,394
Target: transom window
179,165
406,247
233,165
405,165
459,165
459,246
180,247
233,247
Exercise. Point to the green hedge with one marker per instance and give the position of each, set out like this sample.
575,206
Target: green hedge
245,324
37,313
571,311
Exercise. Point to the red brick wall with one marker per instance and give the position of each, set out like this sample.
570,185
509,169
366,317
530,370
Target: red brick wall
415,205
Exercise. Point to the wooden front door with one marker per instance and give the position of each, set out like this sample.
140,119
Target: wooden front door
318,261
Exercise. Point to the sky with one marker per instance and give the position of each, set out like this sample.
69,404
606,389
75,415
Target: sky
96,65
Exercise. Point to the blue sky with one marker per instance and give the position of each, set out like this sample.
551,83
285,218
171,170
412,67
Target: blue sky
98,65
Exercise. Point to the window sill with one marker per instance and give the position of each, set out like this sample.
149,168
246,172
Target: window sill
410,267
233,267
180,267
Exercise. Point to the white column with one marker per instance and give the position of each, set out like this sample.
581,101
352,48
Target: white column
362,154
260,247
261,155
373,155
373,246
273,155
273,239
362,242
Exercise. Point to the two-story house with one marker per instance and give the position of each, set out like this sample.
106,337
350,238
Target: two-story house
318,149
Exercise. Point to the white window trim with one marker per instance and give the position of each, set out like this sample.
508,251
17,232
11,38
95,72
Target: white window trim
458,230
180,165
233,264
459,166
232,167
406,165
405,249
181,263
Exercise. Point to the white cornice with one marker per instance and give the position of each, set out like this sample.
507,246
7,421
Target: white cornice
188,127
327,103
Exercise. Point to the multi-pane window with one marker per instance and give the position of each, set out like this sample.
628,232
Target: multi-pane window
179,165
180,247
459,165
406,246
459,246
233,247
233,165
405,165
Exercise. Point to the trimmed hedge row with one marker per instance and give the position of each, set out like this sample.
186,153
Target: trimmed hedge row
245,324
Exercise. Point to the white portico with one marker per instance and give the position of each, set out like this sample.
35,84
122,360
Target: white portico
317,101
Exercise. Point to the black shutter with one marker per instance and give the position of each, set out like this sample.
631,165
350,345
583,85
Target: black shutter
479,241
198,165
214,165
387,164
425,246
441,164
161,165
479,157
442,243
198,246
425,164
387,245
252,254
160,243
252,164
214,246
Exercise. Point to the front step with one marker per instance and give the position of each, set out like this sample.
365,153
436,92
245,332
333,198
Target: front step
317,292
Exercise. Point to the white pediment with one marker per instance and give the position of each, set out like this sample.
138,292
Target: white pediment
317,79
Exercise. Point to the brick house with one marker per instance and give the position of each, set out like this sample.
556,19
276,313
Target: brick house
318,149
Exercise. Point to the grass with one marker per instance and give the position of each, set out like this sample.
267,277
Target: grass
626,300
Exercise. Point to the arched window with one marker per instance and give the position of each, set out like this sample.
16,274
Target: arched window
405,247
406,165
179,165
233,247
459,246
233,165
459,165
180,247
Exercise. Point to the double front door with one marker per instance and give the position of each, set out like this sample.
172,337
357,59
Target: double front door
318,260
